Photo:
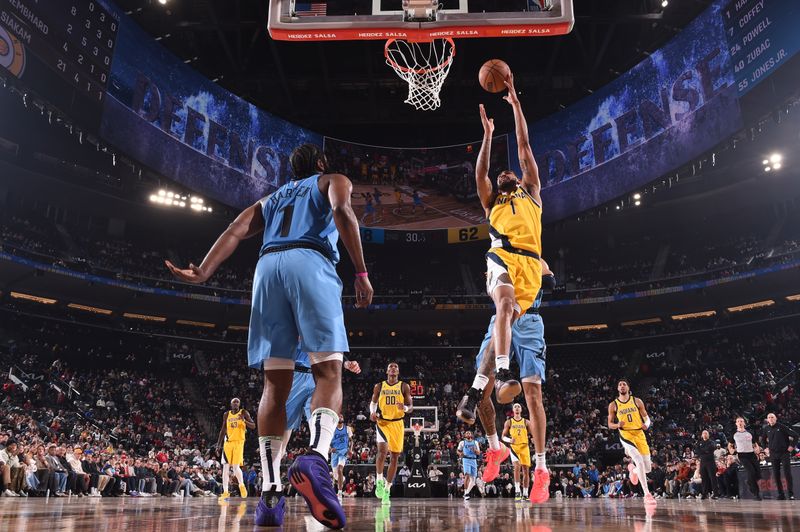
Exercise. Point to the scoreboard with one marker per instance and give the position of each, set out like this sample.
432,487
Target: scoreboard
452,235
62,50
762,36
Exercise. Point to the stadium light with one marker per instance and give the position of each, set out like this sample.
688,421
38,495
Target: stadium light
775,158
774,162
164,2
664,3
637,203
637,196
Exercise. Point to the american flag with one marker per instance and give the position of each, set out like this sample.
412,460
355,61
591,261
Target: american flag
310,9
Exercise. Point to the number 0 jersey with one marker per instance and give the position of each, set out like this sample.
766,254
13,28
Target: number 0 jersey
235,426
629,413
390,401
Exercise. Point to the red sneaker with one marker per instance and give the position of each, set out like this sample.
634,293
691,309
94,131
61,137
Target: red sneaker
540,492
632,473
493,458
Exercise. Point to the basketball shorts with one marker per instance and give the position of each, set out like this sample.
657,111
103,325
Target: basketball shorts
338,458
233,452
469,466
634,440
521,454
390,433
527,346
524,272
299,401
297,298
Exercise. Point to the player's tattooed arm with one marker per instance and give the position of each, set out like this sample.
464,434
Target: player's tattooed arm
248,421
482,181
612,415
530,170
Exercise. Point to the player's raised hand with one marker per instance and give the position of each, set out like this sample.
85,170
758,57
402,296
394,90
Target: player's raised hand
192,274
488,123
352,366
511,97
364,291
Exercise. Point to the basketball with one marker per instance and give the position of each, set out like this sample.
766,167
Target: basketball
492,74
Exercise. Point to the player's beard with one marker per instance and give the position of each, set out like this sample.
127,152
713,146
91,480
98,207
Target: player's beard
507,186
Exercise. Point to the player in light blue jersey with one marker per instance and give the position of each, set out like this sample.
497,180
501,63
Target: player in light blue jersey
297,293
469,451
341,446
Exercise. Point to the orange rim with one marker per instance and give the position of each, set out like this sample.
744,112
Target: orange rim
401,68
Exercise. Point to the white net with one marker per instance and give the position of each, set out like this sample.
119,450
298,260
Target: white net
424,66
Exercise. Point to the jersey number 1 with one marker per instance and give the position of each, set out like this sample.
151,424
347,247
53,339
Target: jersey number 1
286,224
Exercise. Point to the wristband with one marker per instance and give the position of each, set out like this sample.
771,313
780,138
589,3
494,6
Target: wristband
362,274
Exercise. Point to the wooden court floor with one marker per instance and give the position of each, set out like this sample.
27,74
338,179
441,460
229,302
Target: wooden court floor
206,514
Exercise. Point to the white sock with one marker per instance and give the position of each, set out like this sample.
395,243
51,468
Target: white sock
380,477
469,486
494,441
226,477
322,426
269,449
502,362
540,461
516,487
287,435
237,471
480,381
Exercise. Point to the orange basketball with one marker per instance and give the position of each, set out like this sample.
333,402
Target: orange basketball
492,74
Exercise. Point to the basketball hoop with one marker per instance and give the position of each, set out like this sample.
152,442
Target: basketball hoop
424,66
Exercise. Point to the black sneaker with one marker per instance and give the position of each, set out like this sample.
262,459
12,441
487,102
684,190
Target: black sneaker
468,405
506,387
781,497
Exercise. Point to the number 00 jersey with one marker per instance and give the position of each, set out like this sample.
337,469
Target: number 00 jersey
235,425
390,401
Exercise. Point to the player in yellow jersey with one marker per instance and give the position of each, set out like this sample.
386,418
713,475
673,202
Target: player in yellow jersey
235,423
628,415
391,400
516,432
513,275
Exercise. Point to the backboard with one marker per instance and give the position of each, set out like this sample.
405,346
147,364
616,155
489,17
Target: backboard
331,20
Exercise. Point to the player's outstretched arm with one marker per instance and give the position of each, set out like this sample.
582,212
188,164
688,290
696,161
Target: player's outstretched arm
339,190
482,180
530,171
249,222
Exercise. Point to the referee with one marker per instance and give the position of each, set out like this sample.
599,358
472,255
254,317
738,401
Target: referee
704,449
780,441
747,456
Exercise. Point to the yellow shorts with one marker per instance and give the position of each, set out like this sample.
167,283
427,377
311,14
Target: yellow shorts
521,454
524,272
634,440
233,453
390,433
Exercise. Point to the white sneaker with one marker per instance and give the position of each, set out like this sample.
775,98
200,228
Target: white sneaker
22,494
9,493
177,495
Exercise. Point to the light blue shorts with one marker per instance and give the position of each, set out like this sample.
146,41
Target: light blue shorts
297,298
527,345
299,401
470,466
338,458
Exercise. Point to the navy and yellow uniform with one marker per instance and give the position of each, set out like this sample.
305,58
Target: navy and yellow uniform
632,434
235,429
520,452
390,426
515,228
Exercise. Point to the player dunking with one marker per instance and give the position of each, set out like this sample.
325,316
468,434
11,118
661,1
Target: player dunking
391,400
627,414
297,293
516,432
469,451
528,345
341,446
235,423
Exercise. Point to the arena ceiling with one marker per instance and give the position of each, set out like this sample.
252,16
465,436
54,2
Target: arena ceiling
346,89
